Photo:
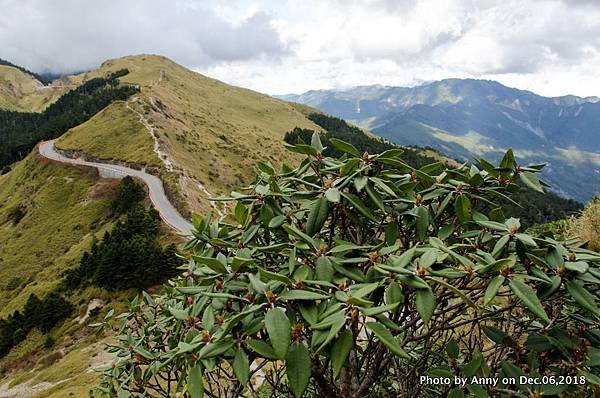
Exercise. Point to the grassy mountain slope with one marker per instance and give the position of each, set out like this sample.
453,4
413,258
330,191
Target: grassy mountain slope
61,206
22,92
49,215
114,133
209,133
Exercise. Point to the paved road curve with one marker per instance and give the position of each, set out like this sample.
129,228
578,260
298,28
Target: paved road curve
157,193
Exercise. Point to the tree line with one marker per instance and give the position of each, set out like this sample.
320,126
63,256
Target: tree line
21,131
44,79
130,255
529,206
43,314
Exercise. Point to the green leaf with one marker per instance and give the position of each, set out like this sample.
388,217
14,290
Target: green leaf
262,349
301,148
344,147
317,216
144,352
422,222
302,295
214,349
584,298
333,195
359,205
315,141
324,269
276,222
393,293
379,310
195,383
577,266
360,182
493,225
526,239
208,318
500,245
492,289
496,335
375,197
425,303
452,349
212,263
279,330
508,161
463,208
528,297
386,337
339,352
531,181
241,366
181,315
298,367
300,235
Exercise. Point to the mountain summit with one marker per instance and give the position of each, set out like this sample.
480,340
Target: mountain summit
468,117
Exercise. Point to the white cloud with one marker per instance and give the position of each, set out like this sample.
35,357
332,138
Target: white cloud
548,46
68,35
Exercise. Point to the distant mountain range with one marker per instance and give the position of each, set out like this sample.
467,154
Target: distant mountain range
464,118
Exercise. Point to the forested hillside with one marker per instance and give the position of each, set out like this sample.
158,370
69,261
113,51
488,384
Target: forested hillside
21,131
532,208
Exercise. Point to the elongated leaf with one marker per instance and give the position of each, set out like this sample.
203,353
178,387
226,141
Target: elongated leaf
212,263
299,234
179,314
195,384
298,367
422,222
339,352
528,297
492,289
241,366
493,225
359,205
301,148
463,208
577,266
317,216
386,337
279,330
262,349
214,349
379,310
500,245
425,303
584,298
526,239
344,147
375,197
324,268
531,181
302,295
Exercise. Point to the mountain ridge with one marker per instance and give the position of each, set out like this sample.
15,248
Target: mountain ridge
468,118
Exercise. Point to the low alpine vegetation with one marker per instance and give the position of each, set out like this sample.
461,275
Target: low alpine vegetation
355,276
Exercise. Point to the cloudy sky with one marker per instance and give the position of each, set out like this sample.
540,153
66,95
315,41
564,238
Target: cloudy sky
551,47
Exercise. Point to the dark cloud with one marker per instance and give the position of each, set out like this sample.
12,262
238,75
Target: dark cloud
68,35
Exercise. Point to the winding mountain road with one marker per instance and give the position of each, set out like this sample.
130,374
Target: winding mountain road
159,199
